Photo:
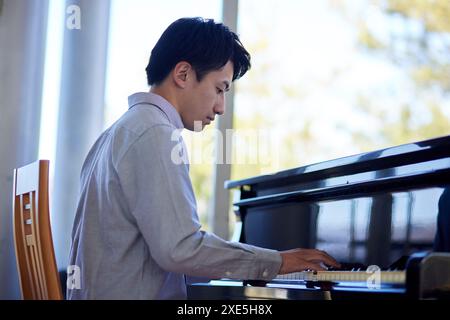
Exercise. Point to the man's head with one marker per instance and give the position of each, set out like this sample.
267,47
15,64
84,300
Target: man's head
193,64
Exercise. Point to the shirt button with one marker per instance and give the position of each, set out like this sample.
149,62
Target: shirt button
265,273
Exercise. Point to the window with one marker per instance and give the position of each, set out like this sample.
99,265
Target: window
335,78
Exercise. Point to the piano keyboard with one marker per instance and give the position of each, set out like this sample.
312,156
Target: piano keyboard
387,277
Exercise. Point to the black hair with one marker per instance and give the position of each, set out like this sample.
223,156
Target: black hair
203,43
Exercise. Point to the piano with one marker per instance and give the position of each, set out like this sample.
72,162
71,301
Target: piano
385,215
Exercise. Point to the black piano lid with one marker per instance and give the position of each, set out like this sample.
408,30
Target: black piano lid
403,155
376,160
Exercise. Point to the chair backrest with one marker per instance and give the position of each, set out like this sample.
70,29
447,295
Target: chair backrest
35,256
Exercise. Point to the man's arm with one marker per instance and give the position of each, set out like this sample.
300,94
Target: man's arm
160,196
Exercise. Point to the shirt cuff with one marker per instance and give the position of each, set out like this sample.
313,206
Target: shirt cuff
268,264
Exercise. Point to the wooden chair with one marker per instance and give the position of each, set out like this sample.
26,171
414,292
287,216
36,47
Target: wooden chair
35,256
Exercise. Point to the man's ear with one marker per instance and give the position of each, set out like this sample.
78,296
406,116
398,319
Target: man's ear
181,73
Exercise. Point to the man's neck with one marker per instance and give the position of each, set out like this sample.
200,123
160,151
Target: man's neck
166,94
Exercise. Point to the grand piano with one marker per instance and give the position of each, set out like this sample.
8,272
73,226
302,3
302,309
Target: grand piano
385,215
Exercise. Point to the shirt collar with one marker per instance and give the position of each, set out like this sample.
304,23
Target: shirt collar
158,101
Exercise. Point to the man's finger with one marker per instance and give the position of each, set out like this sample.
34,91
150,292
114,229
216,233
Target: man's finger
325,258
314,266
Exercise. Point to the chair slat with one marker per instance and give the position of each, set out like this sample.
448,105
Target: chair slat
26,258
36,263
41,279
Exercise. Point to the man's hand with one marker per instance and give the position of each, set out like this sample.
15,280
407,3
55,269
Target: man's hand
305,259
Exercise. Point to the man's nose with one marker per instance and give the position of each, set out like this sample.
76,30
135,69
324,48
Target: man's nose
219,108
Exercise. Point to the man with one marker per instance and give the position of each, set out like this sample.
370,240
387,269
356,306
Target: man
136,232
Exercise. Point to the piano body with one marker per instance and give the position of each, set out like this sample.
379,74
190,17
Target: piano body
384,214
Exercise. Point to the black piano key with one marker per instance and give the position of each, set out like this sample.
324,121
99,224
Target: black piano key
347,266
399,264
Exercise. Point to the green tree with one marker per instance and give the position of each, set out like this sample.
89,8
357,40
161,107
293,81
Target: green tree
422,49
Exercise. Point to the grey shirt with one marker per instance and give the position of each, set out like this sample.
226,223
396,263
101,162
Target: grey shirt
136,231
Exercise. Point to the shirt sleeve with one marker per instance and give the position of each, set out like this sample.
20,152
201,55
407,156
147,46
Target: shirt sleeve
159,193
